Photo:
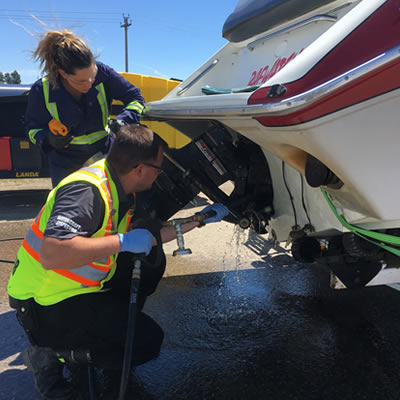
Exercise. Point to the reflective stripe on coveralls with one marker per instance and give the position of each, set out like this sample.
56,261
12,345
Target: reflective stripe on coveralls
32,133
30,279
136,106
82,139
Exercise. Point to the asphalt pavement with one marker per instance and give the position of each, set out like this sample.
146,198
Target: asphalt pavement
241,319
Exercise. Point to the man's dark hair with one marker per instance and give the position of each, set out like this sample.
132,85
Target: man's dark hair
133,145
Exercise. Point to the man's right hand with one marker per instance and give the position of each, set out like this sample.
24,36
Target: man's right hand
136,241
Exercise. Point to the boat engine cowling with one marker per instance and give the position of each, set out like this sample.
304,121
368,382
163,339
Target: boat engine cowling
221,164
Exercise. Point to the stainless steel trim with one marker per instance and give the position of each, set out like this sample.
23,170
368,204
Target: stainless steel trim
252,45
19,87
193,81
164,110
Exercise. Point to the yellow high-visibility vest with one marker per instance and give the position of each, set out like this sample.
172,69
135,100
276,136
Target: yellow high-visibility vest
30,280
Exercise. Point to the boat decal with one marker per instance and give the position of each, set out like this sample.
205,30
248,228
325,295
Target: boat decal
265,73
352,52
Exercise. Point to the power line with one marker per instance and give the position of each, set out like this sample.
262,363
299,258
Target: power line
51,19
60,12
161,25
47,16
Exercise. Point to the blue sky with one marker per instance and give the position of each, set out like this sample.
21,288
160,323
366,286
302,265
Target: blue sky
166,39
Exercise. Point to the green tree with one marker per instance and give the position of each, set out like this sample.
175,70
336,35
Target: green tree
16,78
12,77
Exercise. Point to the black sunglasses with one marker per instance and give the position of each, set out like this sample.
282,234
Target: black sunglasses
160,169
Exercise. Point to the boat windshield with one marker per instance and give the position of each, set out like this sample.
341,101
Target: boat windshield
251,17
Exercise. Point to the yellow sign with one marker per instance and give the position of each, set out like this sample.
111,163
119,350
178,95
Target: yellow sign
24,145
27,174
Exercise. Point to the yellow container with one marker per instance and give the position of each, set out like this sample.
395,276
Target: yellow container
154,88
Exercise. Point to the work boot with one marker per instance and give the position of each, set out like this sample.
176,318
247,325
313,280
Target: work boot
47,372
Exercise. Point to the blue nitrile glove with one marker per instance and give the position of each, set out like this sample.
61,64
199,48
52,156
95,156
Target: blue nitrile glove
220,212
136,241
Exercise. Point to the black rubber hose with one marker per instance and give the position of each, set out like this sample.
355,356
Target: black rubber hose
6,240
130,331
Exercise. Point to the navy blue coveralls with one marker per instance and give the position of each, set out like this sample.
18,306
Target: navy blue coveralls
85,119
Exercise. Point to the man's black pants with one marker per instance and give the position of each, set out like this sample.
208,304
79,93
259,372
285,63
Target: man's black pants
98,321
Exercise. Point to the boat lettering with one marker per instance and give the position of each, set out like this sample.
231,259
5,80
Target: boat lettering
264,73
27,174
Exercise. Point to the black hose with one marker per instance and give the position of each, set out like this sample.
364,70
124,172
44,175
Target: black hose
130,332
6,240
92,393
290,194
134,309
303,201
7,261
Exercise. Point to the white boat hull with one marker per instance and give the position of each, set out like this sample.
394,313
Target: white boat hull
325,103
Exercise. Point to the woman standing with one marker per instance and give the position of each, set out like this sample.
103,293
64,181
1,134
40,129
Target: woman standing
69,108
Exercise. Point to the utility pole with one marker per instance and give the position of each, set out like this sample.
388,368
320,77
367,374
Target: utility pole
126,25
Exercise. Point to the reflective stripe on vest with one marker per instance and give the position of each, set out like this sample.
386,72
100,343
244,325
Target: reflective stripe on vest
33,239
101,175
30,280
91,274
83,139
88,275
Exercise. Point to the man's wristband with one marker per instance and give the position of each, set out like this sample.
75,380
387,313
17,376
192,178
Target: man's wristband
121,239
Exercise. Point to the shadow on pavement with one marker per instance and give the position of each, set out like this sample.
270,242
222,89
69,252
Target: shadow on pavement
18,205
15,381
270,253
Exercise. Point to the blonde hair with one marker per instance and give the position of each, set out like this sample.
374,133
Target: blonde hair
62,50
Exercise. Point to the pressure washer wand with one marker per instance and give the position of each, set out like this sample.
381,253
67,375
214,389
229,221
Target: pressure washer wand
130,332
177,224
196,217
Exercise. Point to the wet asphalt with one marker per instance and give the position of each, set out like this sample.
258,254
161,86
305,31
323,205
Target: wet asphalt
242,321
